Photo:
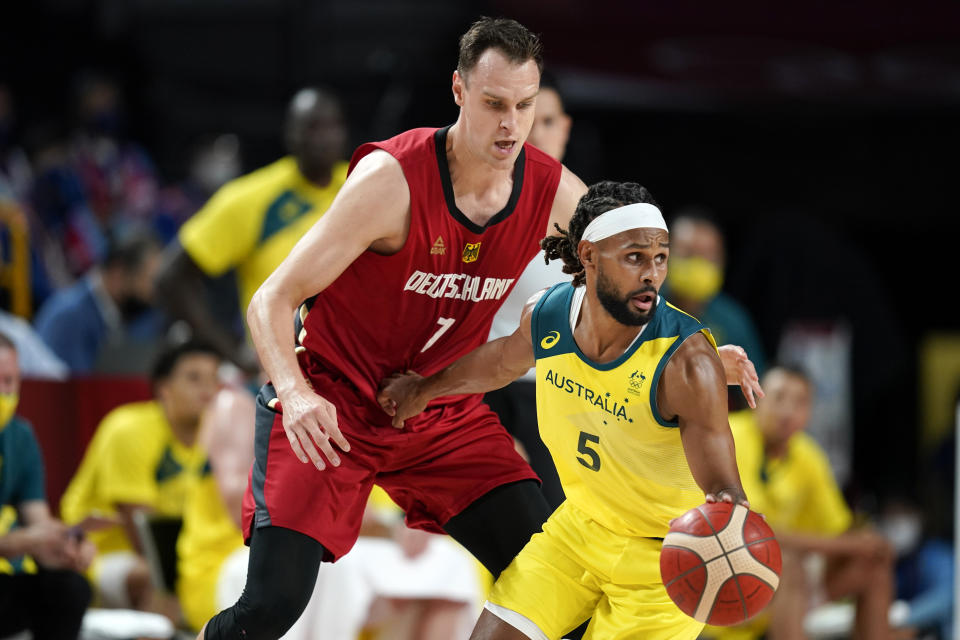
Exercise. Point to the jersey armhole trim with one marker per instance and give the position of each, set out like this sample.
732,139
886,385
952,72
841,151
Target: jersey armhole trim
655,383
535,319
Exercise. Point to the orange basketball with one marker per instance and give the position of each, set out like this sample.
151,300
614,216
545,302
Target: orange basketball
720,563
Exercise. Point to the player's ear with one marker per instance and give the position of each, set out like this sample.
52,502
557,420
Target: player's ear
459,83
587,252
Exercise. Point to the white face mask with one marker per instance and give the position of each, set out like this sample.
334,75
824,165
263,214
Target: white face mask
903,531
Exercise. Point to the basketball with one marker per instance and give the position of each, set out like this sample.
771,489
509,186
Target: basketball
720,563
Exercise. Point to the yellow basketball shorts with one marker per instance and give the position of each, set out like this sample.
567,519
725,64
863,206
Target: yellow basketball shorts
578,569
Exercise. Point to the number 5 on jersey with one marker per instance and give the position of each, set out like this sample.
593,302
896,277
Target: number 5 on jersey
594,463
445,323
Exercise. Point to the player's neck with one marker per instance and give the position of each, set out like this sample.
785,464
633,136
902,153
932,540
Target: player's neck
184,429
775,450
317,176
599,336
469,173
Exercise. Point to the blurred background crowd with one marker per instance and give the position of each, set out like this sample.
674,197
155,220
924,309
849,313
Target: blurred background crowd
805,160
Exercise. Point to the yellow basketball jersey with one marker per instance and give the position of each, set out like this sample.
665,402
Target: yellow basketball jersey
619,460
252,223
133,458
209,536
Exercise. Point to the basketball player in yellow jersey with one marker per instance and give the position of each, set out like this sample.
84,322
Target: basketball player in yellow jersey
631,399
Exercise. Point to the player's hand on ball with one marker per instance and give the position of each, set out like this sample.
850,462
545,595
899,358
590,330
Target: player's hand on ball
740,371
720,563
400,396
310,423
733,496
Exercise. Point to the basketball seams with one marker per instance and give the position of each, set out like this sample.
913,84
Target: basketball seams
739,512
731,555
757,569
679,576
703,563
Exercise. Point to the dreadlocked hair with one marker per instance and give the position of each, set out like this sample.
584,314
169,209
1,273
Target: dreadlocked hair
599,198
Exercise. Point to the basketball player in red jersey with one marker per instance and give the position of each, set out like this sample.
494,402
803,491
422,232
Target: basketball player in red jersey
404,271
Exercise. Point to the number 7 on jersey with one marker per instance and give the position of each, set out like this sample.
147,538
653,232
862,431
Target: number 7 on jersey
445,323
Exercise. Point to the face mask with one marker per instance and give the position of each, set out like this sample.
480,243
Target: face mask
694,278
903,532
8,405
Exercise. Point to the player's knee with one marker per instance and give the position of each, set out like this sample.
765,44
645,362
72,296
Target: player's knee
138,583
266,615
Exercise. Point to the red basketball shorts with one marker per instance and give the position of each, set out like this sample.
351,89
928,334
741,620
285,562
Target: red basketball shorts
434,468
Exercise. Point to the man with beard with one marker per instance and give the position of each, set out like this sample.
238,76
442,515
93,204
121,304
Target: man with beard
631,396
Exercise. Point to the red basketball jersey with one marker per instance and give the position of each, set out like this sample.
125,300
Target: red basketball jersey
434,300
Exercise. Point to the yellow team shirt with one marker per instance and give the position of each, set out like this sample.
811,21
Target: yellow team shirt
619,460
133,458
208,537
796,493
252,223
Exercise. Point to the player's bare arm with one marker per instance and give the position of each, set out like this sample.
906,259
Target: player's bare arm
179,286
230,446
371,212
491,366
693,389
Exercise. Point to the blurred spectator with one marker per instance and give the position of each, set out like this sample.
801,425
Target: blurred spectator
213,161
36,358
49,602
516,404
694,283
925,567
211,557
89,185
15,172
117,175
64,232
409,584
787,478
251,223
551,124
145,457
111,304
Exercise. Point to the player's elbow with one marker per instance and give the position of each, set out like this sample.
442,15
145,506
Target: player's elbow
259,302
269,297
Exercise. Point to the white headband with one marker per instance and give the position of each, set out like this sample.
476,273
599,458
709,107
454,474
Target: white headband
639,215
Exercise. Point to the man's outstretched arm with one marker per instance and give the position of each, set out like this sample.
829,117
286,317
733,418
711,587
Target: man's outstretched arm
488,367
694,389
